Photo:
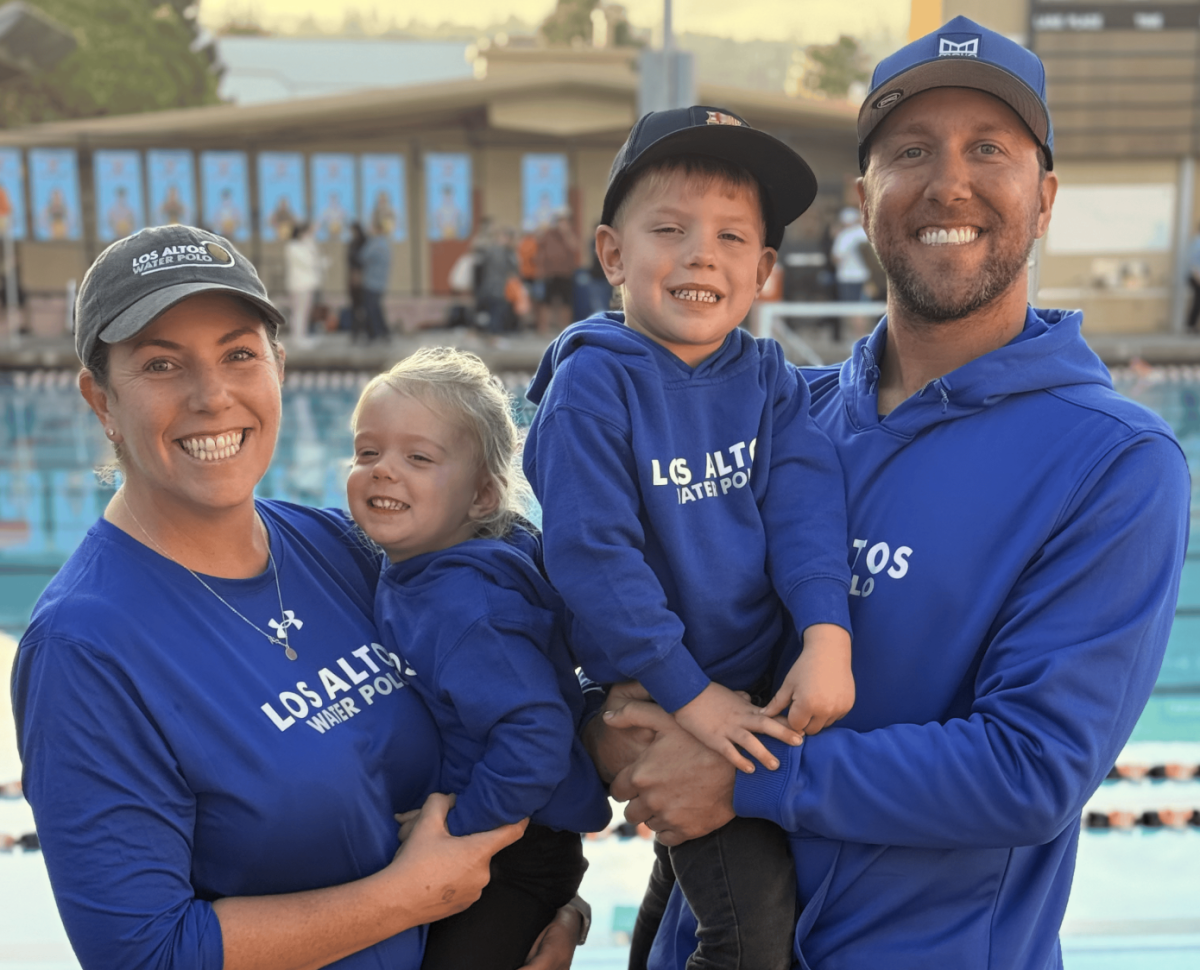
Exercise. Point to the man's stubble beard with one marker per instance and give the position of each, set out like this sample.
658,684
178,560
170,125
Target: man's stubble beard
929,301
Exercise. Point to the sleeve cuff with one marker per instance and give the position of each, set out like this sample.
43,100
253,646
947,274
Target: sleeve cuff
760,794
673,680
821,599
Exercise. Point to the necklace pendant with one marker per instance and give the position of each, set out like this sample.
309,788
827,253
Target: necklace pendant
289,652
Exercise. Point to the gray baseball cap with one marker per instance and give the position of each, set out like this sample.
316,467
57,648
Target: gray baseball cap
141,276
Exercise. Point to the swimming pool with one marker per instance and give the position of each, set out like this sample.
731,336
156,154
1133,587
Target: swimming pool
1136,900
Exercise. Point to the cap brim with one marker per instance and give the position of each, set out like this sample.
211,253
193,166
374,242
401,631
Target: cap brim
957,72
139,316
789,182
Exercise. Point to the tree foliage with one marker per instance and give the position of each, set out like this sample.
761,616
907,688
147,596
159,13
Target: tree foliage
834,67
133,56
571,21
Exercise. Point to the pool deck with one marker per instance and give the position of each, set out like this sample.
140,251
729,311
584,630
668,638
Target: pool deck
523,351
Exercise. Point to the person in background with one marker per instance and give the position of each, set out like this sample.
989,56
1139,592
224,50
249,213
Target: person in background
1193,320
497,264
376,259
558,258
304,265
354,283
1017,533
850,267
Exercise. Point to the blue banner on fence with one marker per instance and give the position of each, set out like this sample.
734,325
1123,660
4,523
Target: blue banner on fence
226,194
384,194
280,194
333,195
172,187
12,193
54,188
119,207
448,196
543,189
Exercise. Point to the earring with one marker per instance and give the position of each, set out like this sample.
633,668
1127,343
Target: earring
111,432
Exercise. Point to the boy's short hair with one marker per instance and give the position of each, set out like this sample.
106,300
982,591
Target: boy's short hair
703,171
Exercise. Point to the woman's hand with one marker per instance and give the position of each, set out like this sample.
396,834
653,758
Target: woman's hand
441,874
555,946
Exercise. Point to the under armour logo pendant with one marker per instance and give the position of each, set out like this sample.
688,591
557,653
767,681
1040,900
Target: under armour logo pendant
289,620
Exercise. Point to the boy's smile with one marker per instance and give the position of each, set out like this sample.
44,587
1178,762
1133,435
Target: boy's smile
690,258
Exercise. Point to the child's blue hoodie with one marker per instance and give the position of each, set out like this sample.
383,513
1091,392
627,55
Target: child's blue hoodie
481,634
1017,535
681,505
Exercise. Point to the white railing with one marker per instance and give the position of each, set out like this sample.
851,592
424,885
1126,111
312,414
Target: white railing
766,316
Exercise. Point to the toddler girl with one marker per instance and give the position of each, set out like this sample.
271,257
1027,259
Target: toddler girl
464,603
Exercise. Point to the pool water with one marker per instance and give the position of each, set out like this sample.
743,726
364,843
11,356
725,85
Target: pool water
1136,900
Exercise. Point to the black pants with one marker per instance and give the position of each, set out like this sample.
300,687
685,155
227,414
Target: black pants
1194,312
531,880
740,883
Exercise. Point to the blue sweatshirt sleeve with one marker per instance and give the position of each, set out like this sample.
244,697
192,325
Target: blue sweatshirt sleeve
114,814
1073,659
582,469
504,691
804,511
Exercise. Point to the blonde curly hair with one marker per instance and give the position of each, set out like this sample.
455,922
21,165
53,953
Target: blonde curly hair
459,384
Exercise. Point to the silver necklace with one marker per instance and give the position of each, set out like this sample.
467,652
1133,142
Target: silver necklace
285,620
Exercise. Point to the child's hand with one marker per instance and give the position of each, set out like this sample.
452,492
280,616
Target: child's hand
819,687
721,719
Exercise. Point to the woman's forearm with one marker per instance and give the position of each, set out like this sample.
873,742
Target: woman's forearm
433,876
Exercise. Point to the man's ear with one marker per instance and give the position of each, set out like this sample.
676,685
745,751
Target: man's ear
1046,194
608,249
861,189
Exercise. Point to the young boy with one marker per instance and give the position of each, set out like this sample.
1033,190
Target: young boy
694,516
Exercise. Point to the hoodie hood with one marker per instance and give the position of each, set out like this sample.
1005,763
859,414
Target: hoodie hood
514,563
1048,353
608,331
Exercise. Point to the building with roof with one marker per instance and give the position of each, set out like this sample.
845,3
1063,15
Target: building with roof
568,110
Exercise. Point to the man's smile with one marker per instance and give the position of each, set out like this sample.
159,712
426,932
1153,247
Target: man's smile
957,236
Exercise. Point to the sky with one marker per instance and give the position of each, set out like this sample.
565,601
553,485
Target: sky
800,21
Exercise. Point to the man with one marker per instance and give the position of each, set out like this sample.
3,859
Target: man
1017,531
375,257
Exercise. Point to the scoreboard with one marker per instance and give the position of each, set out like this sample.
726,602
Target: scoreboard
1122,79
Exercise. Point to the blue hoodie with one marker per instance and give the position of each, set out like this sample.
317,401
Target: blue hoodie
681,505
1017,535
481,634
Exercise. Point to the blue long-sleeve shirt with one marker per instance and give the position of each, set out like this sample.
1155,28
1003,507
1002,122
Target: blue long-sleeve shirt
683,507
481,634
1017,533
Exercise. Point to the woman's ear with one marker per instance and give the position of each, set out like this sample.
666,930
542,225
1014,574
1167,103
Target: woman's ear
98,399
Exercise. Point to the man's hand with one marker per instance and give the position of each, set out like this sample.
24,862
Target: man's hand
612,749
555,946
819,689
725,721
677,786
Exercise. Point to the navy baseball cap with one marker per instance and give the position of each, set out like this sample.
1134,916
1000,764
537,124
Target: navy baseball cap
787,183
961,54
142,276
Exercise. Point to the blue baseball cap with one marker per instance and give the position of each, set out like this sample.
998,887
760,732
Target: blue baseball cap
961,54
788,184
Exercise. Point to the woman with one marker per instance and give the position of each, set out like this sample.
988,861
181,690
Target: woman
213,743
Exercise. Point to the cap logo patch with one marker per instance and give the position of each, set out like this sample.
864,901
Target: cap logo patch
721,118
968,47
888,99
181,256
